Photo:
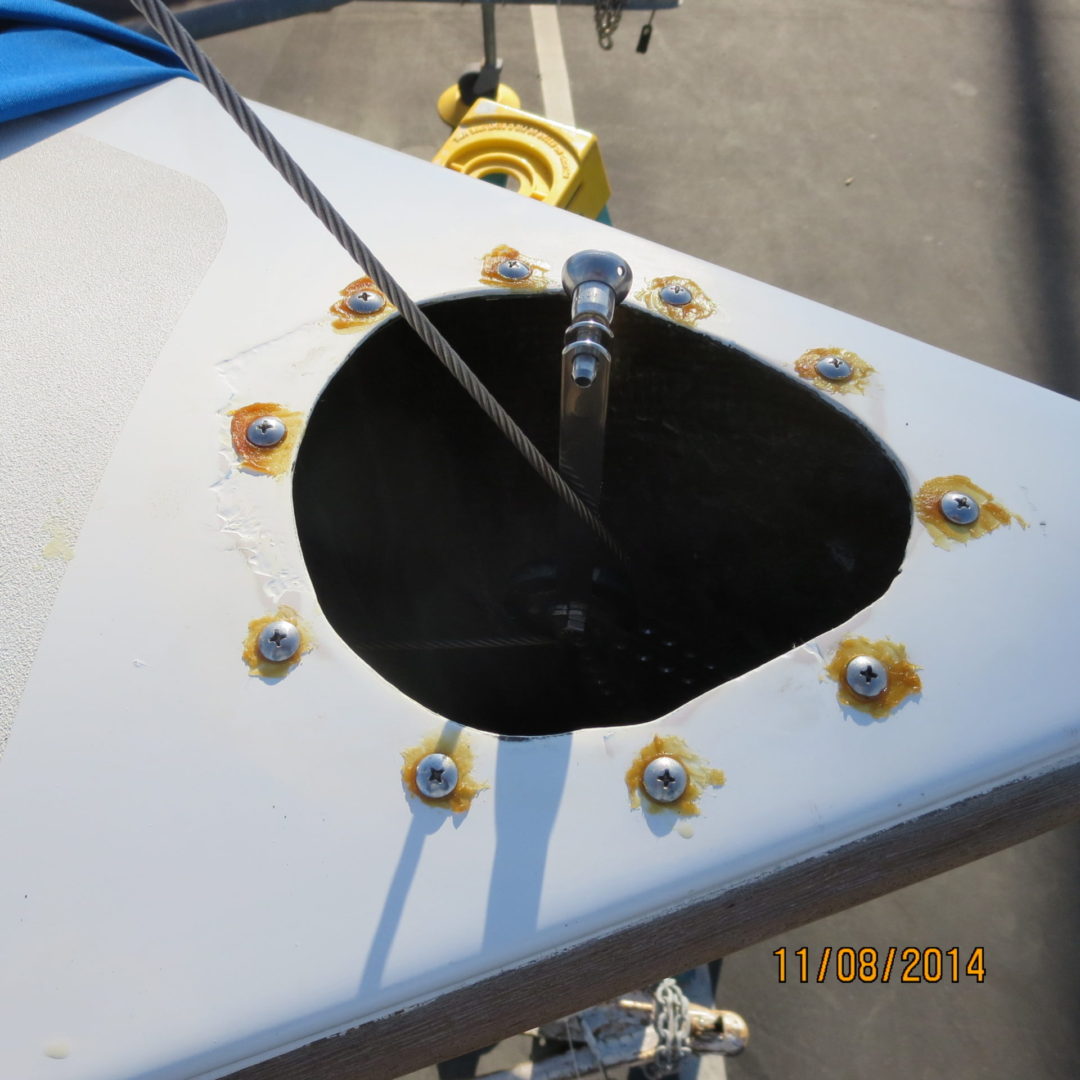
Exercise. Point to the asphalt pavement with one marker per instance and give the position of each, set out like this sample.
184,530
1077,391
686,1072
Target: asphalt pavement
914,162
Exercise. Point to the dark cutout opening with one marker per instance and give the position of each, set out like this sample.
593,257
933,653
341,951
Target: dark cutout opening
503,180
754,512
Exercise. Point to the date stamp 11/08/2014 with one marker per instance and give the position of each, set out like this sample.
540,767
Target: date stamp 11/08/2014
911,964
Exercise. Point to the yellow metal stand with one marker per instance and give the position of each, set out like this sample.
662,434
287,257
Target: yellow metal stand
452,109
541,159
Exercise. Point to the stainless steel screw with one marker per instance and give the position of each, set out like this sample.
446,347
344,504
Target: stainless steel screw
867,676
959,508
436,776
676,295
279,640
266,431
366,302
834,368
664,779
514,270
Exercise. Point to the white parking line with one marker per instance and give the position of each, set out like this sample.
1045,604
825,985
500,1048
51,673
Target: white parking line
554,78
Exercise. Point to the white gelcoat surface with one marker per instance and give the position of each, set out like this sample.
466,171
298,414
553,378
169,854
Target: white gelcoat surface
202,869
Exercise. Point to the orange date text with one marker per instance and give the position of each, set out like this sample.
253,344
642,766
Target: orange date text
910,964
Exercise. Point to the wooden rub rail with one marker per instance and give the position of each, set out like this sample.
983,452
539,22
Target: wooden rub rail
681,938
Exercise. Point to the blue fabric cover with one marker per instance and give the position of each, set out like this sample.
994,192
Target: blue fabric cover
52,54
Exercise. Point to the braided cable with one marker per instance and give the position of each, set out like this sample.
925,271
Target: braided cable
181,42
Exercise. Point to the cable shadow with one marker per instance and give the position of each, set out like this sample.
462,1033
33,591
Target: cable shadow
529,778
425,821
1052,256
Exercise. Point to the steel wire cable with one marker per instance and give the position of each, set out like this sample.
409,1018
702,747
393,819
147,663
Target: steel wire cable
181,42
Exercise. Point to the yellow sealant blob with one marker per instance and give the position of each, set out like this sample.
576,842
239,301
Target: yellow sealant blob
257,664
698,774
454,744
346,319
699,306
945,533
806,367
903,676
270,460
536,279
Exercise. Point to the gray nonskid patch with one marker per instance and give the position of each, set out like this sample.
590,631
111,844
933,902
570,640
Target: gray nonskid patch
103,250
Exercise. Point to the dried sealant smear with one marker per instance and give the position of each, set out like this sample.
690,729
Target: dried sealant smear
698,777
806,366
699,307
945,532
345,319
274,669
455,745
61,541
270,460
536,280
902,673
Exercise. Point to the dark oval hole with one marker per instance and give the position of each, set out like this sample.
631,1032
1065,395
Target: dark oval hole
755,515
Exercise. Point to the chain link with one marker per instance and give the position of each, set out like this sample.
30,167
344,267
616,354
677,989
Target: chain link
608,14
671,1018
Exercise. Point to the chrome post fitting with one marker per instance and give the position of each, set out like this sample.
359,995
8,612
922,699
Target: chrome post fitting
595,281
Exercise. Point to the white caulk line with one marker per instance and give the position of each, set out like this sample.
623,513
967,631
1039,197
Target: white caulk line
554,78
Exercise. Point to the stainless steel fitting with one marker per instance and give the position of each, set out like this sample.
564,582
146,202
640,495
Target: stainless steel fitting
596,281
